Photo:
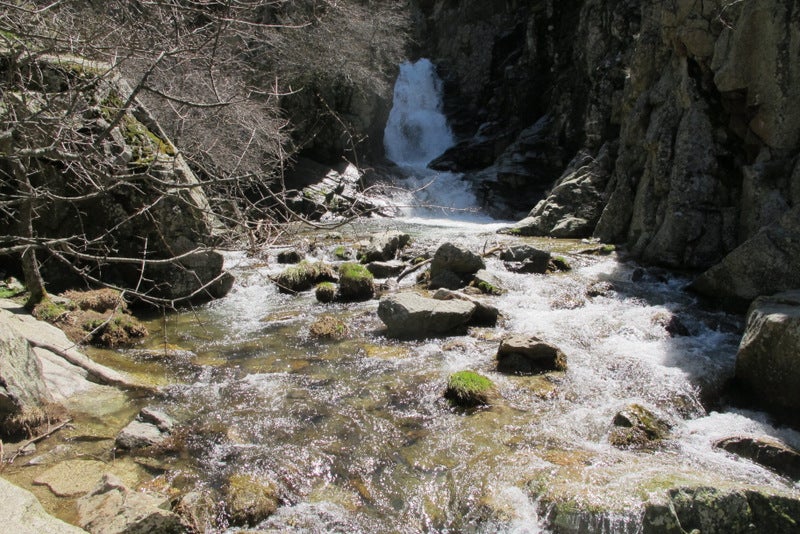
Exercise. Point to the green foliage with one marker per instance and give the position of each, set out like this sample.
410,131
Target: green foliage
121,330
341,252
469,389
8,292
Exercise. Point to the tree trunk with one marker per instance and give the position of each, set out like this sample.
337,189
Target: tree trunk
30,264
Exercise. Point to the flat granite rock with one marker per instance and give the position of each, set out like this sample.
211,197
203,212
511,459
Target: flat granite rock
22,513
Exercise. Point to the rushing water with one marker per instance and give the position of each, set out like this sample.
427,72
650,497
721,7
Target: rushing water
356,433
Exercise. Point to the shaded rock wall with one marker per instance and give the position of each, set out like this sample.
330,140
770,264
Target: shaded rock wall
695,105
130,195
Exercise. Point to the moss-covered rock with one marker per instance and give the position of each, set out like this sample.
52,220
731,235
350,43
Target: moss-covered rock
249,500
119,330
325,292
636,427
355,283
468,389
304,276
329,327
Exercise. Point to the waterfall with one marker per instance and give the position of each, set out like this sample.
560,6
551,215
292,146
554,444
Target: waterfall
416,133
417,130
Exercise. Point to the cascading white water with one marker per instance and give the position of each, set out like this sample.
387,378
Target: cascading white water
417,130
415,134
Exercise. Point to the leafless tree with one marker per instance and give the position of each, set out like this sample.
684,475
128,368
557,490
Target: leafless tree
104,103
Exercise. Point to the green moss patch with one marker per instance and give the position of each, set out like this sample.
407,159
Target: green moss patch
304,276
325,292
355,282
468,389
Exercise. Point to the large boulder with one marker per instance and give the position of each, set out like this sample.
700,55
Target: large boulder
525,355
384,246
766,263
765,451
150,205
22,385
450,258
410,315
768,361
713,510
22,513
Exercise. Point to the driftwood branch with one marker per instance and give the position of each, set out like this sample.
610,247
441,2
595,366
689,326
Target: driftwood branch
95,370
49,432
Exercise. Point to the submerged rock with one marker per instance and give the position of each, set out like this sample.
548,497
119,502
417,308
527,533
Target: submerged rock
765,451
112,508
249,500
150,428
768,361
525,355
72,478
409,315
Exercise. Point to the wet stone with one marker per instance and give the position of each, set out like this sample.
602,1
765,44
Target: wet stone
525,355
765,451
138,435
386,269
637,427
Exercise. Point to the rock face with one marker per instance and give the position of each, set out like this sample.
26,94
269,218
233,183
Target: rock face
768,361
409,315
23,514
151,205
675,126
702,509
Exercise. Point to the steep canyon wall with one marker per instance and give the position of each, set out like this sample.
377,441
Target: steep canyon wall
671,126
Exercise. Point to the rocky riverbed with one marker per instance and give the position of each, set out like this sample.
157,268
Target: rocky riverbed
260,422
